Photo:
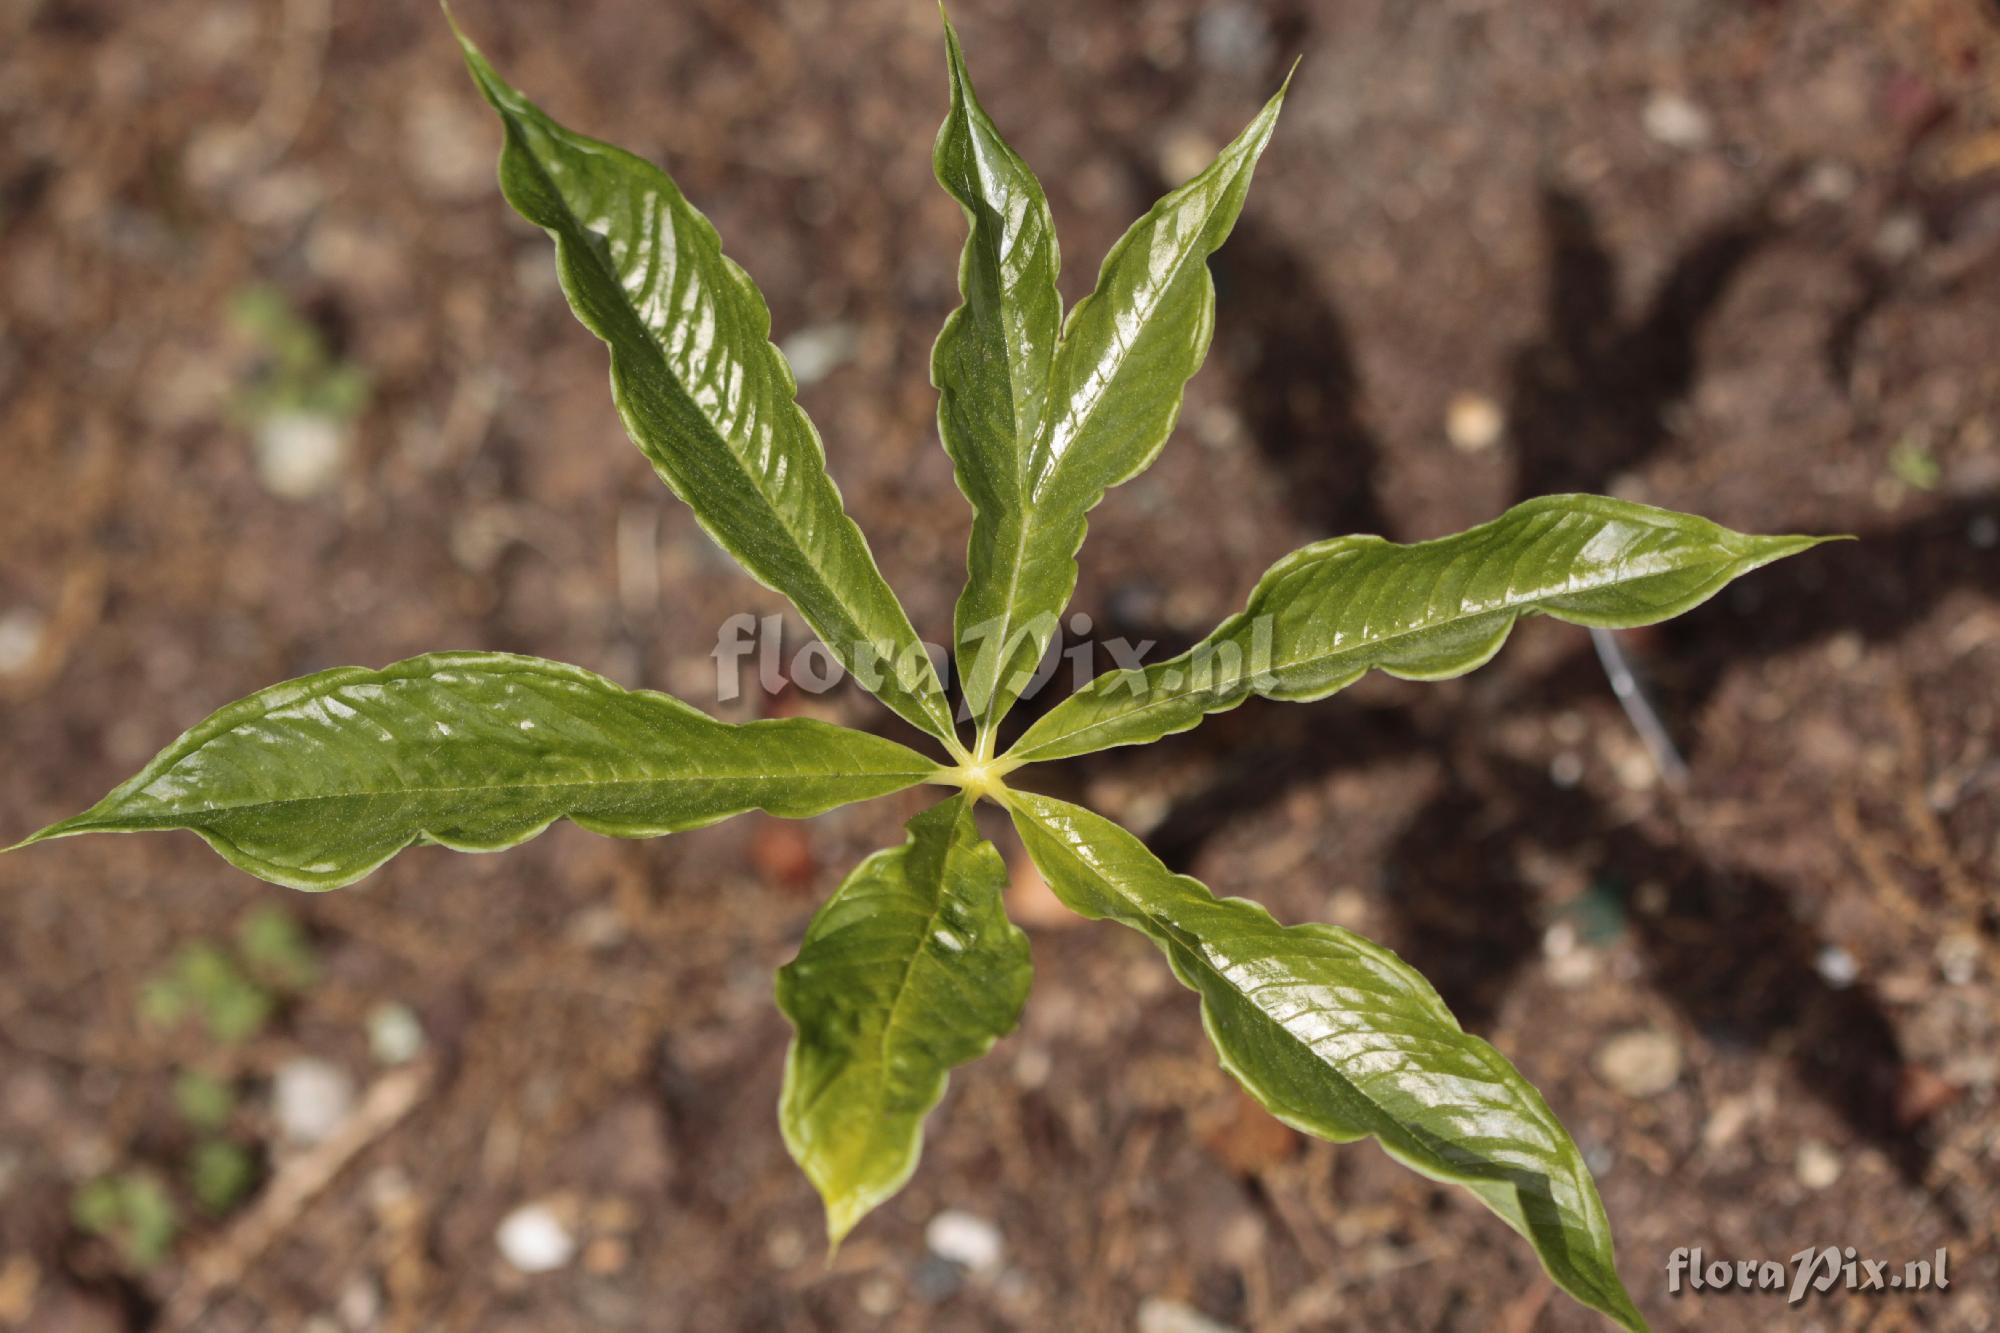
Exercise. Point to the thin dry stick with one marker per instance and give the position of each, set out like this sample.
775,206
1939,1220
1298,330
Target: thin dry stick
298,1182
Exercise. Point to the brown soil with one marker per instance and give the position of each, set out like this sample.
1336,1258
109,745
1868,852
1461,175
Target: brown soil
1787,322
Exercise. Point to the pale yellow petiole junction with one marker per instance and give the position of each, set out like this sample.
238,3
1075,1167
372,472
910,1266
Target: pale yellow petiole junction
981,779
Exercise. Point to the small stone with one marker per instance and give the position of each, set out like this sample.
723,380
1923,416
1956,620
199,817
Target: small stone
1157,1315
1818,1165
1983,532
1899,237
311,1098
598,928
1032,1067
818,351
971,1242
533,1239
1185,155
1831,182
1727,1122
300,454
1673,120
1566,769
1836,967
1845,650
785,1247
360,1305
1642,1063
606,1255
1474,423
1958,957
1635,769
395,1034
20,639
878,1297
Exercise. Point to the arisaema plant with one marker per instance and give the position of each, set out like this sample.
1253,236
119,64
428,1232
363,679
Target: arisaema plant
912,966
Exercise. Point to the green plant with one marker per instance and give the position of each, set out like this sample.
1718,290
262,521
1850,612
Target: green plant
912,968
133,1211
233,992
205,982
296,371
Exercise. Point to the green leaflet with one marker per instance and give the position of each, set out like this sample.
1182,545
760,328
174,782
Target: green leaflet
316,782
1113,392
703,392
991,362
1327,614
909,969
1338,1037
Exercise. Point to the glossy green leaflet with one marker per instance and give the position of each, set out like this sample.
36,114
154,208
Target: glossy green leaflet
912,968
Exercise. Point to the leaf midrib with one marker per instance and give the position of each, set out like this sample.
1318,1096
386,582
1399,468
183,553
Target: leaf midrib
1527,607
1034,510
693,779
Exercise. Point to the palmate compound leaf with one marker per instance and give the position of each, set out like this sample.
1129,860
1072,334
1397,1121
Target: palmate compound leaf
1340,1038
315,782
911,968
1037,433
1327,614
702,391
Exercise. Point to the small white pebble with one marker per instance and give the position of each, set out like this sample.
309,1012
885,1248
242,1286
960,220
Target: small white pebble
1032,1066
816,352
878,1297
1675,121
1958,957
533,1240
970,1242
1831,182
1836,967
360,1304
20,639
311,1098
1818,1165
1566,769
1635,769
395,1036
1899,237
1474,423
300,454
1157,1315
1644,1063
786,1247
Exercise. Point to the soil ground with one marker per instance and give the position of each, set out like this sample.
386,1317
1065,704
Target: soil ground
1741,259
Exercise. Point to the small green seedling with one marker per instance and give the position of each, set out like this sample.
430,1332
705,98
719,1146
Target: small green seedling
233,993
220,1174
296,373
204,982
912,967
203,1100
133,1211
